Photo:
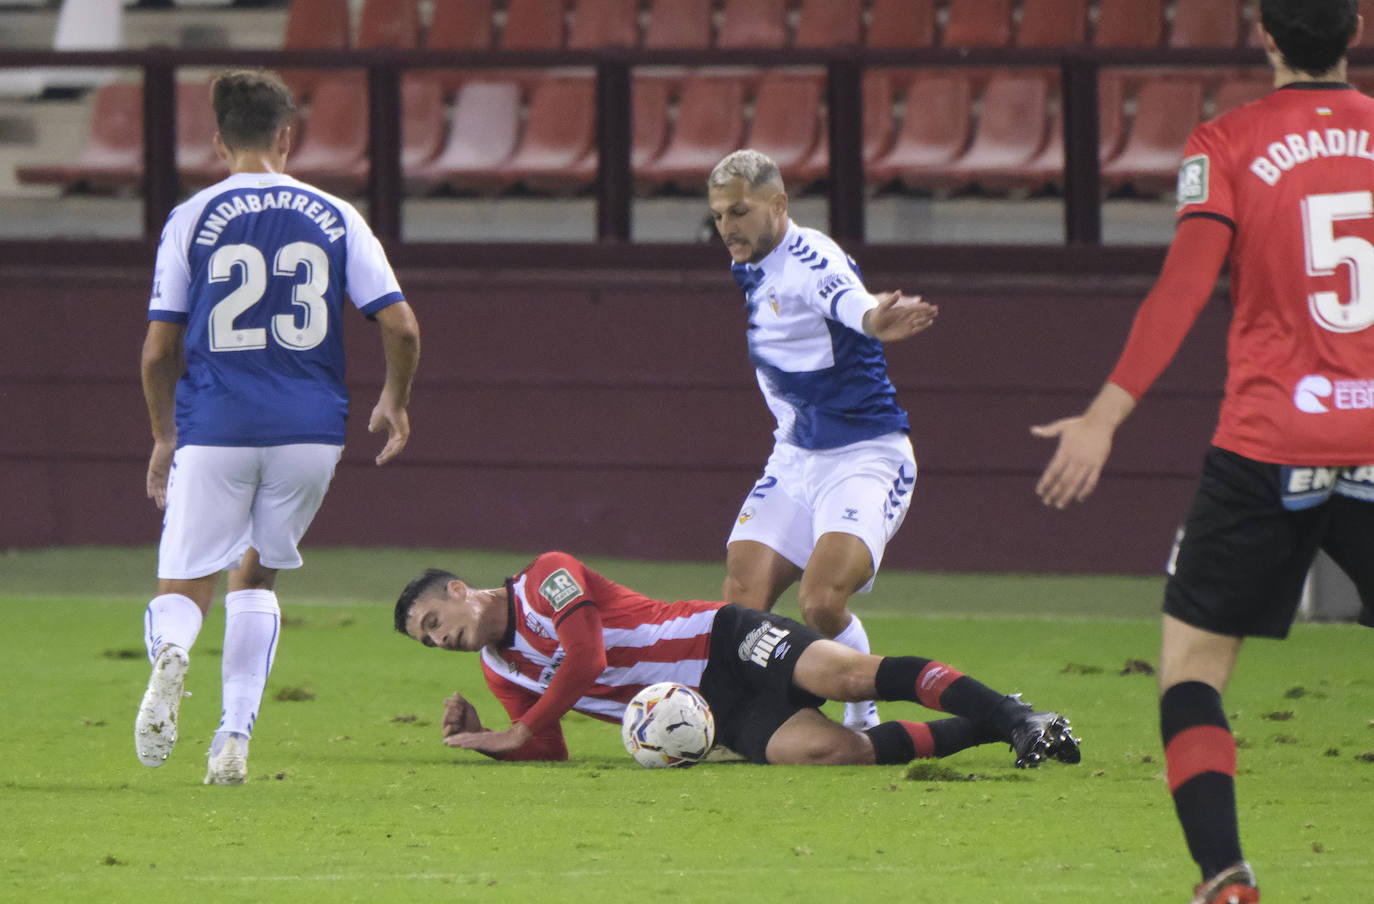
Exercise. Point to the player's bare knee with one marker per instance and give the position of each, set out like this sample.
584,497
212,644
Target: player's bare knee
826,612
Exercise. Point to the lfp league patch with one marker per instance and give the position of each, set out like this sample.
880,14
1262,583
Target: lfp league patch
1192,180
560,589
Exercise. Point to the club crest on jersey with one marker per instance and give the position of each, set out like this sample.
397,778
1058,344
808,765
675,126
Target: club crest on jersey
746,514
560,589
773,300
1192,180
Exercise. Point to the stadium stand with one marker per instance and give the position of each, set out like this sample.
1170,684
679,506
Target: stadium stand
389,23
423,119
935,129
1166,111
1052,23
314,25
1045,171
977,23
458,25
828,23
901,23
1009,133
111,159
533,25
753,23
559,135
1237,92
333,152
197,163
879,125
1129,23
710,124
786,123
482,135
604,23
1205,23
679,25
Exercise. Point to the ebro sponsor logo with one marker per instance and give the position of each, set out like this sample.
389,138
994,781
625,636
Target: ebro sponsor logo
1343,395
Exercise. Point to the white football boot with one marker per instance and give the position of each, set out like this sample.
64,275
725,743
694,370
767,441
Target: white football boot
228,762
155,729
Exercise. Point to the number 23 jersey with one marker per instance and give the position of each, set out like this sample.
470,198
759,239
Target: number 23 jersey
257,267
1293,174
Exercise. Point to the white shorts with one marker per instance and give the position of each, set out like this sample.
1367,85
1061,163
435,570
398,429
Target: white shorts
861,489
223,499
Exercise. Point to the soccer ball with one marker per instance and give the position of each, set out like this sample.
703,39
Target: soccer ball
667,724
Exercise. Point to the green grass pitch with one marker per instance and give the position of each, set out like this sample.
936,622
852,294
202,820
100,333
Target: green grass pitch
351,797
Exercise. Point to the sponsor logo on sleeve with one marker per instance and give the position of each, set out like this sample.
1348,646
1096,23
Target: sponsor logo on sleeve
1192,180
560,589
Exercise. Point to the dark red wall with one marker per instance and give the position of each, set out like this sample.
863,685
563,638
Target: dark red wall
611,410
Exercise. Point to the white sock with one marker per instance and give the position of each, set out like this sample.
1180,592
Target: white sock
854,635
252,622
170,618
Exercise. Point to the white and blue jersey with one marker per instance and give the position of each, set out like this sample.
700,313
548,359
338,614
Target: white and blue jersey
257,268
824,379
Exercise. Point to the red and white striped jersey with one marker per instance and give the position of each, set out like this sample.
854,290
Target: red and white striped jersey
645,640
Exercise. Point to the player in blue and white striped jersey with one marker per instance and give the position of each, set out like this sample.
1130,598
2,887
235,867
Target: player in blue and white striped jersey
836,487
243,373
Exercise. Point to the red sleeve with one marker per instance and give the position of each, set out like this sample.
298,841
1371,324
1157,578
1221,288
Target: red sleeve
1185,283
584,658
546,744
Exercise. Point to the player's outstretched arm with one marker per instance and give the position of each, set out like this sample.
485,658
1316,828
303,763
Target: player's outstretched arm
401,346
1085,442
162,364
898,316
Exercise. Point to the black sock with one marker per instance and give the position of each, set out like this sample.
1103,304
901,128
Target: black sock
1201,756
902,742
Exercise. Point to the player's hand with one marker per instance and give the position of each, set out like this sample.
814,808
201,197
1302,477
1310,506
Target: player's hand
394,420
899,316
460,716
492,742
159,470
1073,472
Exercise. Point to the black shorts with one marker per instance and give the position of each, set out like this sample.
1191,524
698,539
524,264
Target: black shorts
1251,535
748,677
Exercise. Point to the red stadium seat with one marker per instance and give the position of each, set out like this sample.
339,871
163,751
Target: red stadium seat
1240,91
879,123
1010,132
1053,23
649,98
1205,23
482,135
604,23
1166,112
533,25
389,23
422,119
458,25
333,154
197,163
829,23
1046,169
710,124
978,23
753,23
935,129
786,122
1129,23
112,157
559,136
901,23
679,25
314,25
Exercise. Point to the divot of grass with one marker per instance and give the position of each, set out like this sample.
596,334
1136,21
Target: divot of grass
1078,668
124,653
1137,667
936,772
294,694
1279,716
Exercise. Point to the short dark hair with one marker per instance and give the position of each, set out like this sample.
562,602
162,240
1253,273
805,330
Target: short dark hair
251,107
1312,35
430,579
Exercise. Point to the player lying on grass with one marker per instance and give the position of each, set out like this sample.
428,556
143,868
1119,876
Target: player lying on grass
558,636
